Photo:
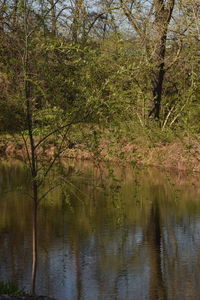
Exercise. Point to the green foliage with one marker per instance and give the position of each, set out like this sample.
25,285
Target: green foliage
12,117
102,82
10,288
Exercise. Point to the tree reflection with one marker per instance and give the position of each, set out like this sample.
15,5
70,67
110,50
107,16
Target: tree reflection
157,289
86,253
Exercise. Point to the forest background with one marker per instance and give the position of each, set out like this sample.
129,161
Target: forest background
121,76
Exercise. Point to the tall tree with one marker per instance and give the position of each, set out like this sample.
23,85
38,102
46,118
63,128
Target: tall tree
77,19
152,28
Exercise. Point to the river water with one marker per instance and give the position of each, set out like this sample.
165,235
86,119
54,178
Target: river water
122,234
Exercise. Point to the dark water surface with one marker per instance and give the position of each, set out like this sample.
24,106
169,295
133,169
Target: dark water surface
134,236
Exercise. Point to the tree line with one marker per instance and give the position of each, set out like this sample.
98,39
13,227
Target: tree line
117,59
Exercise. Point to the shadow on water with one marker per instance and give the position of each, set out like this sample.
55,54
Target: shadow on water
138,241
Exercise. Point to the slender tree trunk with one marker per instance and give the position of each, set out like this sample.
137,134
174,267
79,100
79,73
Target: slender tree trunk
2,12
76,19
34,238
14,15
53,17
34,183
32,153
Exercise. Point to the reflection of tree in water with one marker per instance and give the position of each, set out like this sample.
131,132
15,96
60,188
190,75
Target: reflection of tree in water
76,249
86,253
157,289
181,238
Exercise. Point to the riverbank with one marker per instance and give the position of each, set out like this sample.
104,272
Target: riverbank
183,155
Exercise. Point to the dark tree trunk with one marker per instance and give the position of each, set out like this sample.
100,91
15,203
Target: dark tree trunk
163,13
158,73
156,48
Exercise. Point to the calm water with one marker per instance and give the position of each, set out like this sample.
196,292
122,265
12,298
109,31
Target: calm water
133,236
